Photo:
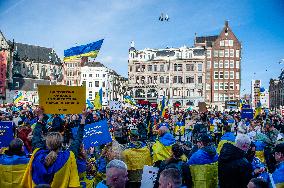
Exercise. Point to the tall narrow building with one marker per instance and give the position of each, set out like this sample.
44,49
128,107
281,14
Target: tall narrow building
223,67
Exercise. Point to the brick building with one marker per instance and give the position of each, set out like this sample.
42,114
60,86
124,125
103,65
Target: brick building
223,66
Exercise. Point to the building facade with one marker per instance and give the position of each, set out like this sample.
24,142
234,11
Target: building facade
95,76
177,73
29,67
276,94
255,90
223,66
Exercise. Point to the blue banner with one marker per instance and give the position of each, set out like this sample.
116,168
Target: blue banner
6,133
95,134
247,113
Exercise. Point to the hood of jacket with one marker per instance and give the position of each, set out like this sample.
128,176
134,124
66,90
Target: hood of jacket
230,152
167,139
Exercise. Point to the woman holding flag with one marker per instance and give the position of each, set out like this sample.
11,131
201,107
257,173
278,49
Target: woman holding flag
48,163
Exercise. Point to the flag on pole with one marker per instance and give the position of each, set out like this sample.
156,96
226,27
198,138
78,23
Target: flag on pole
87,50
89,104
98,100
18,97
163,107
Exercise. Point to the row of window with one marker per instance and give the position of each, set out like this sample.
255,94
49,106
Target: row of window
185,55
223,64
91,75
224,53
224,97
72,64
163,68
164,80
226,75
226,86
90,84
226,43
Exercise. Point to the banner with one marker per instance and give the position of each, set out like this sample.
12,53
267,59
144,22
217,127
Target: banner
95,134
115,105
57,99
87,50
3,70
6,133
247,113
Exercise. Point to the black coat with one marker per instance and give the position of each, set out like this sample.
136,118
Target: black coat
234,170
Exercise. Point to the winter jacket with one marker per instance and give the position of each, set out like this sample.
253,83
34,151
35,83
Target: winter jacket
204,168
234,170
278,176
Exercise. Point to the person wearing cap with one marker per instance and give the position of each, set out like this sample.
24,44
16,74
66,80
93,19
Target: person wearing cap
204,161
278,174
13,164
136,156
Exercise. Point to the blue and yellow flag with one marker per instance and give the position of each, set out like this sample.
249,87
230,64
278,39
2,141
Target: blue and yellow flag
18,97
87,50
89,104
98,102
128,99
163,107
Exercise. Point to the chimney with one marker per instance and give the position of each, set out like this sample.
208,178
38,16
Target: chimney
226,23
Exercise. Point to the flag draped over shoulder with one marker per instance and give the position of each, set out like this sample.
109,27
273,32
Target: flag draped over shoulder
87,50
98,100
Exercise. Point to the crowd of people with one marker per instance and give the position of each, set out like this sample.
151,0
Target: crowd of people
189,149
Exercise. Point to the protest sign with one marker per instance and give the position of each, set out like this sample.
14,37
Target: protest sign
57,99
247,113
6,133
149,176
202,107
95,134
115,105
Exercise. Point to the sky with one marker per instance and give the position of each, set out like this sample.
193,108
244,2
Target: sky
61,24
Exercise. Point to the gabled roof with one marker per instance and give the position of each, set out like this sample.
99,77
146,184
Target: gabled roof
26,52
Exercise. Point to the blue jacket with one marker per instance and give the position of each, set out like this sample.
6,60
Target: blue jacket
102,185
205,155
278,175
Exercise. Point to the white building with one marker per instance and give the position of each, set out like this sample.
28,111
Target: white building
95,76
255,89
177,73
264,99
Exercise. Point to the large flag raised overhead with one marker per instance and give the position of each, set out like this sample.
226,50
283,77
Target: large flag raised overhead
87,50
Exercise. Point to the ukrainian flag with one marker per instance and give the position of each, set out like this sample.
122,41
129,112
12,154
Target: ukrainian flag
163,107
87,50
129,99
98,102
18,97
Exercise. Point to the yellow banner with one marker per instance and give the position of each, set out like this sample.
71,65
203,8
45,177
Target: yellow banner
57,99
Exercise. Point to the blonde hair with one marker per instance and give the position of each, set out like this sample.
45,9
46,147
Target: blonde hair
54,142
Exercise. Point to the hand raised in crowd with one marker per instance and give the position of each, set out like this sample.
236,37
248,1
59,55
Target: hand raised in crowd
39,112
85,113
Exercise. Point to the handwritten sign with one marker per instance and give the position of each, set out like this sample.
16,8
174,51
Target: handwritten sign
57,99
6,133
95,134
149,176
